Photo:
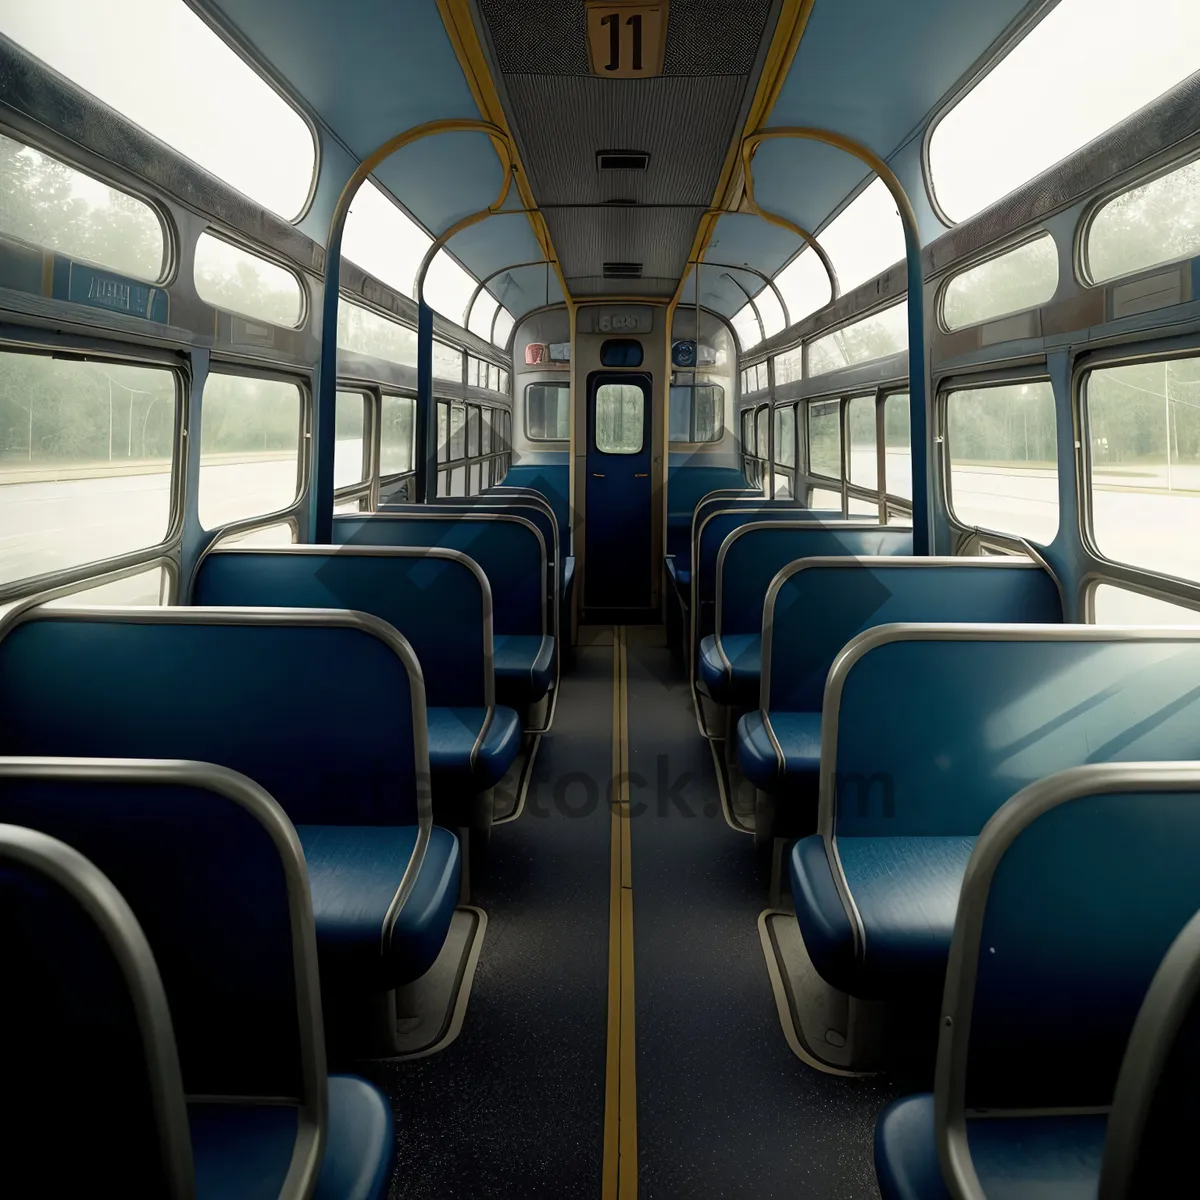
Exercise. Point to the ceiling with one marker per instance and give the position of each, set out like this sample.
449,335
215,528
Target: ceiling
873,69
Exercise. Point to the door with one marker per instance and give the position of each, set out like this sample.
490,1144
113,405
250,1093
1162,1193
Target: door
618,570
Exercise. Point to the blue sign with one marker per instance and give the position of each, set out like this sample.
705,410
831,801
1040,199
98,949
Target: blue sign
101,289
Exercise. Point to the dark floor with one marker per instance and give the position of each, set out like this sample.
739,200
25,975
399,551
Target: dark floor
515,1107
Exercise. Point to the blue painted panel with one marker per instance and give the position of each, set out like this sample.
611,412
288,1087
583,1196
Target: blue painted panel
552,478
1081,910
83,284
820,608
686,487
958,727
435,603
227,694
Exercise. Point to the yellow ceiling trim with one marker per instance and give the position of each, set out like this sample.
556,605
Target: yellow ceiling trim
464,38
793,19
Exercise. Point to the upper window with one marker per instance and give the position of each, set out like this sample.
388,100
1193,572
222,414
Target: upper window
85,461
503,327
873,337
825,439
620,418
1022,278
745,325
382,239
479,319
1154,223
365,332
229,277
51,205
157,63
448,288
789,367
866,238
770,311
804,285
1004,459
697,412
447,362
547,411
1031,109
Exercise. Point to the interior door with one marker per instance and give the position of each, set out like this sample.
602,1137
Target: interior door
618,570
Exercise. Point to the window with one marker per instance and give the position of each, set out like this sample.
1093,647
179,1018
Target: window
785,436
745,325
866,238
383,240
547,411
362,331
146,589
748,432
397,435
485,432
697,413
822,498
762,435
150,61
1120,606
897,444
621,352
864,464
873,337
770,312
1025,277
1154,223
249,448
51,205
825,439
458,432
1143,428
502,382
1030,111
804,285
1003,459
232,278
479,320
350,415
85,461
620,418
447,362
789,367
503,327
448,288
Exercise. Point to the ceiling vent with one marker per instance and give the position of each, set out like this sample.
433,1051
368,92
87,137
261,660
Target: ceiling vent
622,270
622,160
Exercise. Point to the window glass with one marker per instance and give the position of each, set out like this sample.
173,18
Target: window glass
1028,112
1003,459
448,288
443,433
873,337
150,60
621,352
897,443
447,362
745,325
383,240
748,432
1144,431
458,432
789,367
857,506
482,311
825,439
485,432
365,332
397,426
1025,277
865,238
350,415
502,383
473,431
232,278
864,465
697,412
51,205
547,411
85,461
762,419
770,312
1120,606
783,487
348,506
785,436
503,327
620,413
146,589
1146,226
249,448
824,499
804,285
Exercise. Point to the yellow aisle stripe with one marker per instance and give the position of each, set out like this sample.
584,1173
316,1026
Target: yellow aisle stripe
620,1091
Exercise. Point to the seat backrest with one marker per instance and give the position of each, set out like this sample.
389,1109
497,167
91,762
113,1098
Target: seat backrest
752,555
770,510
508,547
814,606
552,480
438,599
83,1000
927,730
688,485
1076,889
324,708
1156,1104
530,505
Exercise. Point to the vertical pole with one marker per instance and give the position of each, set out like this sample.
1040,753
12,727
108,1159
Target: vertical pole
320,497
917,386
425,433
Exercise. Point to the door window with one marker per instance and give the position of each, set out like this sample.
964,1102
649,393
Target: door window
620,411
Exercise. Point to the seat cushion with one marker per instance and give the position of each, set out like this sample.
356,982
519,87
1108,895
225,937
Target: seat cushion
354,872
453,733
242,1151
736,684
905,890
797,778
361,1147
906,1159
524,667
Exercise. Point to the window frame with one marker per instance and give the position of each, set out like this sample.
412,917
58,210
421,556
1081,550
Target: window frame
271,259
993,253
561,383
692,440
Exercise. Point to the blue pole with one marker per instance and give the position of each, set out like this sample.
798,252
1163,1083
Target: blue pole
918,405
425,432
320,501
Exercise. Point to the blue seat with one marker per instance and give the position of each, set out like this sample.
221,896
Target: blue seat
95,682
213,874
1051,971
438,600
688,484
729,668
932,729
550,476
513,556
813,607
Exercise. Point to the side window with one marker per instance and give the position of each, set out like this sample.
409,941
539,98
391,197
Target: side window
697,412
1022,278
620,418
397,425
825,439
86,452
249,447
349,461
762,425
864,464
547,411
232,278
1002,446
1113,605
785,436
897,442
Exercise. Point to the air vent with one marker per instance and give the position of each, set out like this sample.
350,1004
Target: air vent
619,203
622,160
622,270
